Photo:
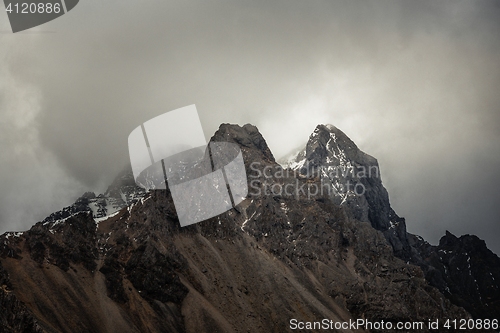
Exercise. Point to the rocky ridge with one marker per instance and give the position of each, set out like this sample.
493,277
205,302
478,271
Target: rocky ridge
252,269
463,269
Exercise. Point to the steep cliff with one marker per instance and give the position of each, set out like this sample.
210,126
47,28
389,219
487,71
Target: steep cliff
461,268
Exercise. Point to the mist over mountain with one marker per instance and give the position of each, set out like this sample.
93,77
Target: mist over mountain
414,83
315,238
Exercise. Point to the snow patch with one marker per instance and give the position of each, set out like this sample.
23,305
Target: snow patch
246,221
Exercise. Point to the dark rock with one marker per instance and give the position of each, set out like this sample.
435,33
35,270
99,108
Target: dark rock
272,258
466,271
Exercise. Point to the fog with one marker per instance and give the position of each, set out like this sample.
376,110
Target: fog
414,83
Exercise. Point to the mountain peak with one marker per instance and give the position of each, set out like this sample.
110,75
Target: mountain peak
247,137
328,128
353,175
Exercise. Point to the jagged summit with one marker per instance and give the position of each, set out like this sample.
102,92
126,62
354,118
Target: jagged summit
465,270
353,175
272,258
247,137
326,145
329,150
121,193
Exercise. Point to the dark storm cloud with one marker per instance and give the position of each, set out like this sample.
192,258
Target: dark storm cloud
414,83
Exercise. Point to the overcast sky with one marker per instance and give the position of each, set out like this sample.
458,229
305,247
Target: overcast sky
415,84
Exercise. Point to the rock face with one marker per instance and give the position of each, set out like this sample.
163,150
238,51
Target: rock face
462,268
281,254
354,176
336,161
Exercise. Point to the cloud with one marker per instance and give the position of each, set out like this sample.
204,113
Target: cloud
33,185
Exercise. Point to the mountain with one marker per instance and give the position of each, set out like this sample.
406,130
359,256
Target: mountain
120,262
121,193
463,269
